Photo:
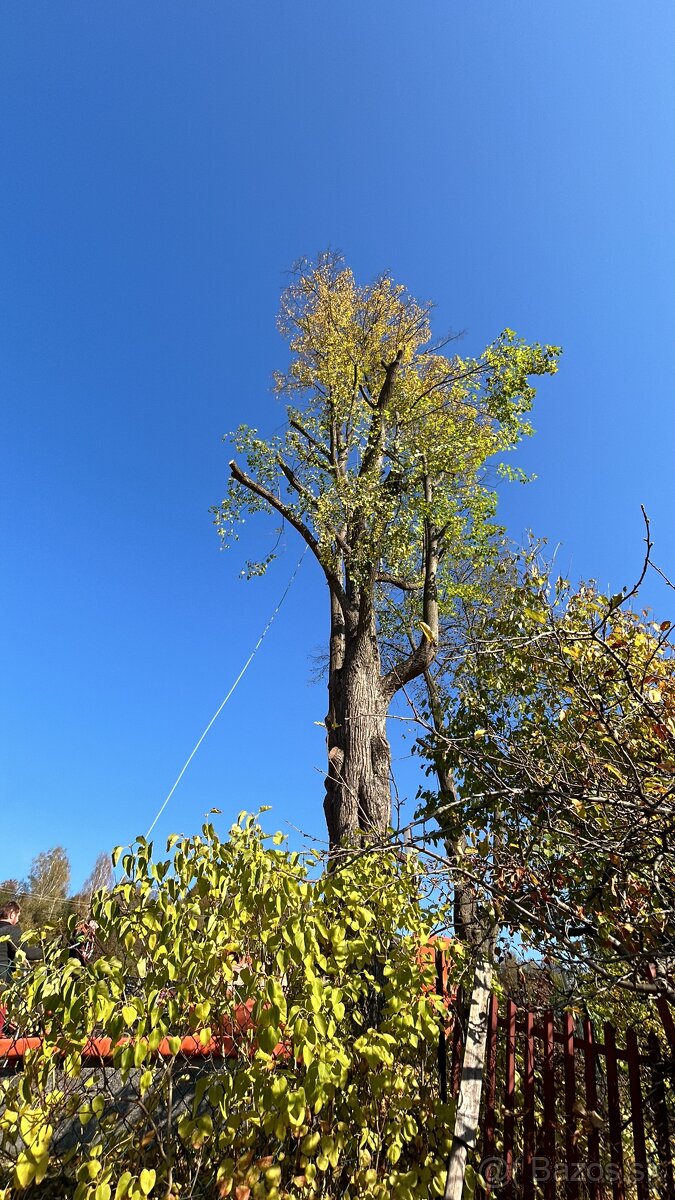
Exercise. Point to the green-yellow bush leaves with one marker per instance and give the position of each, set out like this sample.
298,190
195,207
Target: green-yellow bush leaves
268,975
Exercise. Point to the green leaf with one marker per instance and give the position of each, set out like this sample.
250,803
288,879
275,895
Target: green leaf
145,1082
269,1038
123,1185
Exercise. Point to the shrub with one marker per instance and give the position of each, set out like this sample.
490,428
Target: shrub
316,984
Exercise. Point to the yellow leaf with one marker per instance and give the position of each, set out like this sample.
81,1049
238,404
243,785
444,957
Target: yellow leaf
147,1181
428,632
24,1171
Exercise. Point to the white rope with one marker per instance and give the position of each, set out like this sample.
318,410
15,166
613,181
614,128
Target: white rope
240,676
27,895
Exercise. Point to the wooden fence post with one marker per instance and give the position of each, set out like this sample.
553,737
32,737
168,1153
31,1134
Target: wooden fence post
593,1137
457,1042
571,1153
666,1185
490,1085
549,1180
614,1113
528,1104
637,1115
509,1099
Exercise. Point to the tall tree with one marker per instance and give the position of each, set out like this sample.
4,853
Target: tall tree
381,471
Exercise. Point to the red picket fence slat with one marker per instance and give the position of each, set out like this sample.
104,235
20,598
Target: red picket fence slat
661,1119
529,1125
637,1116
571,1152
490,1081
549,1108
591,1084
614,1111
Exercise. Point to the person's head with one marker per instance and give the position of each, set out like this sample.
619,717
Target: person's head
10,912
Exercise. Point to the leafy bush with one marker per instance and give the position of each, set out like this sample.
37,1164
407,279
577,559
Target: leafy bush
318,982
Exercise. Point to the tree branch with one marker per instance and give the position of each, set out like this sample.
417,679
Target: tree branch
403,585
374,446
252,485
320,449
295,483
421,658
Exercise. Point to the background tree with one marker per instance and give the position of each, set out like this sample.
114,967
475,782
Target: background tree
381,470
48,882
558,730
100,878
11,889
483,592
44,897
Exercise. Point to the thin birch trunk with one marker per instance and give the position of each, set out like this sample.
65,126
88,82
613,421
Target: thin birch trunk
468,1101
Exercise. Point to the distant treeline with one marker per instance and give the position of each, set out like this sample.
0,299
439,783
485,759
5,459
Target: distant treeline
45,896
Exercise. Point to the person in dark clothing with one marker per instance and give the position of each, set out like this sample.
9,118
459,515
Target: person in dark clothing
10,941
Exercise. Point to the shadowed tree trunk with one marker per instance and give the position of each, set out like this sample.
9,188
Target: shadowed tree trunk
358,783
468,927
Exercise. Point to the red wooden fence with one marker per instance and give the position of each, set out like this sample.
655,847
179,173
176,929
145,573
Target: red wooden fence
567,1114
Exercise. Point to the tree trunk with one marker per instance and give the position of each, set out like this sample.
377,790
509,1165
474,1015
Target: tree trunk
471,1086
358,784
466,922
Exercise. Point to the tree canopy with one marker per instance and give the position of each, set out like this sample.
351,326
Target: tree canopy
45,896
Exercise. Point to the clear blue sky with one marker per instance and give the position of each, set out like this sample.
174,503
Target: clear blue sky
162,165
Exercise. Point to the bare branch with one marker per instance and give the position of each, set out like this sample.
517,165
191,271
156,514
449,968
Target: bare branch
293,519
317,445
404,585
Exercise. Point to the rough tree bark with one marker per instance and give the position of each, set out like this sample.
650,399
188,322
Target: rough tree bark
358,783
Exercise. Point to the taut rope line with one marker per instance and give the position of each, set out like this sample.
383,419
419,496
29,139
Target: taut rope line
240,676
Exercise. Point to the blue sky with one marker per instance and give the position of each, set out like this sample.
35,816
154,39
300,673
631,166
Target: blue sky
163,165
